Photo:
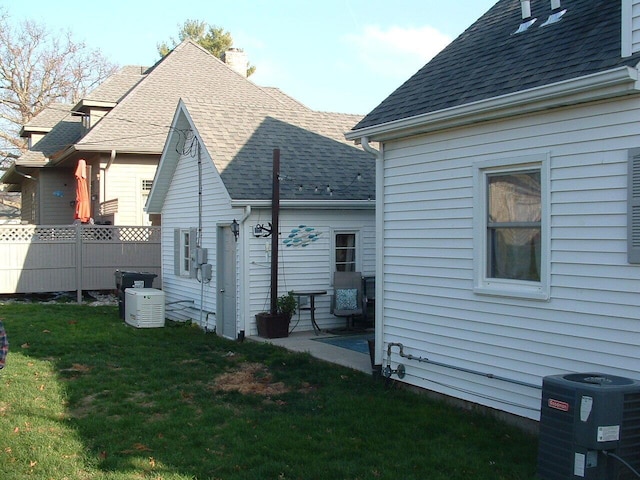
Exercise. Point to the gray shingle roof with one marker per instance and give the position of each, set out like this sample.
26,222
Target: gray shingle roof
114,88
314,152
47,118
64,133
488,61
140,122
285,99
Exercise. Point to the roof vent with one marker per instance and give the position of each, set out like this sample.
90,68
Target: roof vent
527,21
556,13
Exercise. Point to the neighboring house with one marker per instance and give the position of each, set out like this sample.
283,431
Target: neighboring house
508,225
119,129
216,168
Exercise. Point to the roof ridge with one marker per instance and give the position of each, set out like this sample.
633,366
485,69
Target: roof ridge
166,76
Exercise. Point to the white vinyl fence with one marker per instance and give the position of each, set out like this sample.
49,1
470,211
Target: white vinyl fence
38,258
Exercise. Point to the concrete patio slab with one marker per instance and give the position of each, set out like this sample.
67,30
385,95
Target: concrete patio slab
304,342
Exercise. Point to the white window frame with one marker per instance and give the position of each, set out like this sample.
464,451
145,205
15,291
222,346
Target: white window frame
145,189
184,258
484,285
357,248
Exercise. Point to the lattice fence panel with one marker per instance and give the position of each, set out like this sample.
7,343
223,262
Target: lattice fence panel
18,233
121,234
74,257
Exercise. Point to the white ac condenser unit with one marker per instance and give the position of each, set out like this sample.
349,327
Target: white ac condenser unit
144,307
589,427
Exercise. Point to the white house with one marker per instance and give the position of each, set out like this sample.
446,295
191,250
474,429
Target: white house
508,225
216,168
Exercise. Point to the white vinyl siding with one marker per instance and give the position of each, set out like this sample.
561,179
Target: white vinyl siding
305,268
591,321
124,181
180,212
309,267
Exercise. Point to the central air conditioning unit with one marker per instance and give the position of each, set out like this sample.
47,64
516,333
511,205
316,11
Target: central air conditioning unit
589,427
144,307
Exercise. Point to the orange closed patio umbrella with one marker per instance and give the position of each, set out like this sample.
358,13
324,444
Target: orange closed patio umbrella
83,206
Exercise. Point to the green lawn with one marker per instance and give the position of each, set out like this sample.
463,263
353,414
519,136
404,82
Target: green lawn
84,396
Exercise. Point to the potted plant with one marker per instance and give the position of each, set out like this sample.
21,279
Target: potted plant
276,324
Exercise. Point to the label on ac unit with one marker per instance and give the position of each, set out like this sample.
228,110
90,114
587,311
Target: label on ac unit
609,433
586,404
578,464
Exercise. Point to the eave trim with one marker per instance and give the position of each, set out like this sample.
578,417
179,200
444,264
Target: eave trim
608,84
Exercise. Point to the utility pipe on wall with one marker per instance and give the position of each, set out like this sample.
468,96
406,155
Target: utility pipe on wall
408,356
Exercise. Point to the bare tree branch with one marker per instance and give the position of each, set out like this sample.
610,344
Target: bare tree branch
38,69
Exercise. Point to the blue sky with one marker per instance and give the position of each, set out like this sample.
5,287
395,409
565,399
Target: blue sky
332,55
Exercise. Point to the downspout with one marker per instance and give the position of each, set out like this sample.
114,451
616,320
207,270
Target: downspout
112,158
379,323
245,275
103,177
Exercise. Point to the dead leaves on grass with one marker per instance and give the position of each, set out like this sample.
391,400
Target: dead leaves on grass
250,378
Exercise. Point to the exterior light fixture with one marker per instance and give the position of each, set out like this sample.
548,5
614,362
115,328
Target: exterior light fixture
235,229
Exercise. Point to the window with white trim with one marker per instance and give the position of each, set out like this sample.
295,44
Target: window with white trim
184,249
345,252
510,234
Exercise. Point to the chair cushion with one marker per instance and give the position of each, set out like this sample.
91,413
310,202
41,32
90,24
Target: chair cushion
346,299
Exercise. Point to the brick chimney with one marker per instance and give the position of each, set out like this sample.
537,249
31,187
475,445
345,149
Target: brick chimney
236,59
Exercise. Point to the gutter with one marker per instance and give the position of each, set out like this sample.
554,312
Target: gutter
25,175
611,83
309,204
76,148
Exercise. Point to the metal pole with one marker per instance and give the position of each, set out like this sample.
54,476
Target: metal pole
79,264
275,215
